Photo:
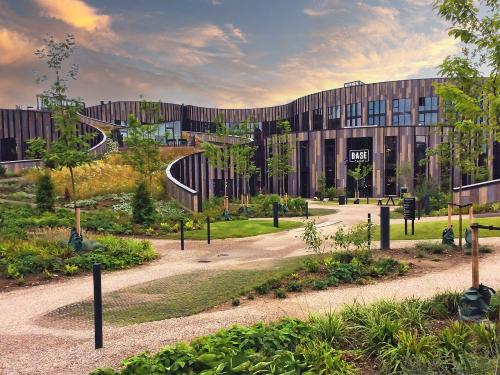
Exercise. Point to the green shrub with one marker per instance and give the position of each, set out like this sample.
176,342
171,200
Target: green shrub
331,193
280,293
444,304
143,211
262,288
295,286
235,302
312,265
494,308
45,193
69,269
319,284
329,327
433,247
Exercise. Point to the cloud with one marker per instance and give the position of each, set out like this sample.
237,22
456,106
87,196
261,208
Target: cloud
14,47
236,32
321,8
216,2
75,13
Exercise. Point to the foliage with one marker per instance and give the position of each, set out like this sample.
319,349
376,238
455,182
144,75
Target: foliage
70,149
359,173
321,186
279,163
143,150
3,171
313,238
143,211
45,196
336,343
38,255
433,247
404,174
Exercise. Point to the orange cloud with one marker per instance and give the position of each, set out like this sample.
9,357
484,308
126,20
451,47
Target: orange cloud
75,13
14,47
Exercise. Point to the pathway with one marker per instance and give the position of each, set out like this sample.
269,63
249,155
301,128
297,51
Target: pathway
27,348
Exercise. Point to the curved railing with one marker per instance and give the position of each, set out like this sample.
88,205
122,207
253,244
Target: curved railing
480,193
188,197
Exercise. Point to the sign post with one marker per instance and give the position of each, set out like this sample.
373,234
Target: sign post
409,213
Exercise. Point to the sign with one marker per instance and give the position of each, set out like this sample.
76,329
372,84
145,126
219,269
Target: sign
409,208
359,156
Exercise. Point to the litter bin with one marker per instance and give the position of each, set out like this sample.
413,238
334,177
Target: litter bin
341,200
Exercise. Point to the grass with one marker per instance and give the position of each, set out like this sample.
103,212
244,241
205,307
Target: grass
179,295
238,229
321,211
433,229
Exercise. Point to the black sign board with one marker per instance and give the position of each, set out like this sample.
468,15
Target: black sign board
359,156
409,208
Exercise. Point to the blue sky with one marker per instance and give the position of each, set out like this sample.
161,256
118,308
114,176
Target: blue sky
223,53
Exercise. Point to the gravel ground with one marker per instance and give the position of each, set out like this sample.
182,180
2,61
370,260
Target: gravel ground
28,348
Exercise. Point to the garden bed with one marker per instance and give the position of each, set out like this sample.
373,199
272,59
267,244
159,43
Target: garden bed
412,336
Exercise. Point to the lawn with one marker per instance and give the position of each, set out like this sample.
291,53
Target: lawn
179,295
238,229
433,229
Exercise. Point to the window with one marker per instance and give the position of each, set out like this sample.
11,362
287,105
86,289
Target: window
401,112
376,112
334,117
391,152
305,121
420,151
428,110
353,114
330,162
318,119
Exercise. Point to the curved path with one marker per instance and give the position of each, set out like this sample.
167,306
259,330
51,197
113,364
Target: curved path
26,347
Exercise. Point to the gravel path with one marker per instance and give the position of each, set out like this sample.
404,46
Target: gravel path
27,348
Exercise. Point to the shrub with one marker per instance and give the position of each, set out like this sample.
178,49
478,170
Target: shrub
433,247
318,284
312,265
69,269
235,302
313,238
45,194
280,293
3,171
331,193
494,308
295,286
142,206
444,304
262,288
329,327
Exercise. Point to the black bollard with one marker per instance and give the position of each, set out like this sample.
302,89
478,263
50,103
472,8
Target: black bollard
208,230
96,270
182,234
384,228
369,230
275,213
307,210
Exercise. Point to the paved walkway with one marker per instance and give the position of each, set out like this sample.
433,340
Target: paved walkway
26,347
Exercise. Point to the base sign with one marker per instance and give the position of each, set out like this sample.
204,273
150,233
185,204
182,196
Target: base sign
359,156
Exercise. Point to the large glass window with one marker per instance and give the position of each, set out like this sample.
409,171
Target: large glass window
318,119
305,121
401,112
353,115
428,110
376,112
334,117
390,156
420,151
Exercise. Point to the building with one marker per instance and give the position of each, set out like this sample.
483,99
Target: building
385,124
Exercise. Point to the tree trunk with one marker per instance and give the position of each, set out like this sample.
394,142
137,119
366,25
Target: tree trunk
77,209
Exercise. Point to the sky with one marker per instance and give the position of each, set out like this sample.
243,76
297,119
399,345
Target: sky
220,53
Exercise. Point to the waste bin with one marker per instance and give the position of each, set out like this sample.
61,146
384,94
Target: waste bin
341,199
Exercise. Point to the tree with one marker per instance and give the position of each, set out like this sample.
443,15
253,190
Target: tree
219,155
244,165
45,195
279,164
143,150
358,173
472,92
70,149
321,185
404,173
143,211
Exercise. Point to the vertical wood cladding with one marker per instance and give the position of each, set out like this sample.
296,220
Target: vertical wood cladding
22,125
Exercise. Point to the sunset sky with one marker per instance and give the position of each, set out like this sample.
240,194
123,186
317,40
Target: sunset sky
223,53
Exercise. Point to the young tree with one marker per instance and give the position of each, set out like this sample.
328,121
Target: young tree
279,164
219,155
404,174
358,173
45,195
70,149
143,150
143,211
472,92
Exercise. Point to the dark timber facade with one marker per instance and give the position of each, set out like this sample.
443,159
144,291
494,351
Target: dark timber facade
389,124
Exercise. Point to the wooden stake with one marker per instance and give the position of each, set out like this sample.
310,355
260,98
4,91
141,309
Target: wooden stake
475,258
450,210
77,220
471,215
